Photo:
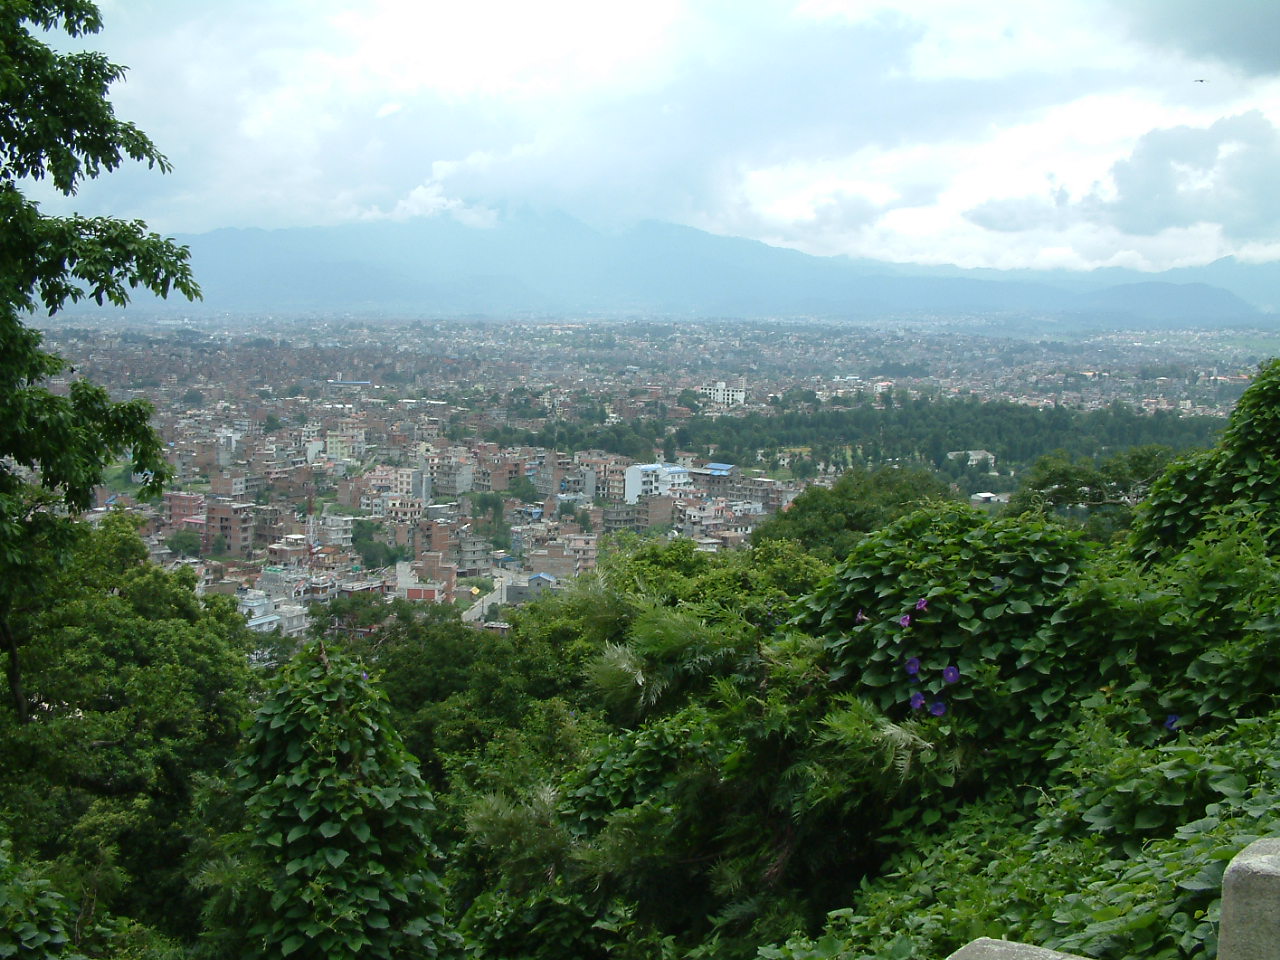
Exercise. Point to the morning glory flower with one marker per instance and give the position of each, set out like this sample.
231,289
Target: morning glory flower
905,620
937,708
912,666
861,617
1171,721
917,700
922,604
951,674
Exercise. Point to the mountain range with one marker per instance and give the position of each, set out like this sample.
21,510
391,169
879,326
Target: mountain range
536,264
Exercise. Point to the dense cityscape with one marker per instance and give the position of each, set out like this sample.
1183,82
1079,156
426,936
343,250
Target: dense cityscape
317,458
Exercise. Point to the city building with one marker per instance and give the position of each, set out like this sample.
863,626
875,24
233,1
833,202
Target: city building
726,396
654,480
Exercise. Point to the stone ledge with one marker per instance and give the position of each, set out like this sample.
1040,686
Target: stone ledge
1250,925
984,948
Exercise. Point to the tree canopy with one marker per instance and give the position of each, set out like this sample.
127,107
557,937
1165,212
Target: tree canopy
336,835
830,521
57,124
137,689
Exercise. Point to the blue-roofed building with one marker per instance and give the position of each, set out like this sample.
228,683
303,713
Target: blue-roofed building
714,479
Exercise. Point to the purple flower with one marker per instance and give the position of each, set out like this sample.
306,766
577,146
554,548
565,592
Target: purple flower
905,620
917,700
364,674
922,604
1171,721
951,674
861,617
937,708
912,666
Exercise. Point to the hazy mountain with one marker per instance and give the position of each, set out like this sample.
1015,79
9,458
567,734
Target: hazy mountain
531,264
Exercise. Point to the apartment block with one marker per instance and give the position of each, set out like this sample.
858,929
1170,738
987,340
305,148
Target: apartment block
655,480
233,522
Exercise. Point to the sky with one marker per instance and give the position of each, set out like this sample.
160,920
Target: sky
986,133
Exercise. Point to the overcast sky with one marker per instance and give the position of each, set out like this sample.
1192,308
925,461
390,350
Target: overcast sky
998,133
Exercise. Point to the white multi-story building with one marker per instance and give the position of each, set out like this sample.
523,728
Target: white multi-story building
401,481
264,614
654,480
335,529
720,392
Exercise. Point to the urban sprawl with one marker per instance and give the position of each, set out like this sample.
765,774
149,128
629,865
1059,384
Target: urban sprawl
322,458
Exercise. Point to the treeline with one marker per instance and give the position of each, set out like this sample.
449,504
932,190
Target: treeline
918,430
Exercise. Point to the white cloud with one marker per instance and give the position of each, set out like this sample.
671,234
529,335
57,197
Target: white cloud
976,132
492,48
961,39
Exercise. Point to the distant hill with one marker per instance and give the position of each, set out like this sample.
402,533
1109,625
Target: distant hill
1165,301
534,264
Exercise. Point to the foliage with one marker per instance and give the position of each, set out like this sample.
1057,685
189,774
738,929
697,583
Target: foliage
987,706
137,686
185,543
525,726
1193,638
941,613
337,818
913,431
368,538
669,650
1104,491
522,488
56,123
427,660
35,920
1240,474
831,521
1070,875
488,511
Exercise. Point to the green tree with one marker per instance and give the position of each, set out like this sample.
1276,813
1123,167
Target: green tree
1100,494
138,687
185,543
56,124
337,817
368,540
830,522
522,488
1240,475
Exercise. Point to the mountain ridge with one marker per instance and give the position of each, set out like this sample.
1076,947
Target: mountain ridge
553,264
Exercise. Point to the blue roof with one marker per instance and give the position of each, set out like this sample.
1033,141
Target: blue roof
719,466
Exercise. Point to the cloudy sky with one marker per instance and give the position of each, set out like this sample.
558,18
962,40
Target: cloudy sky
997,133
